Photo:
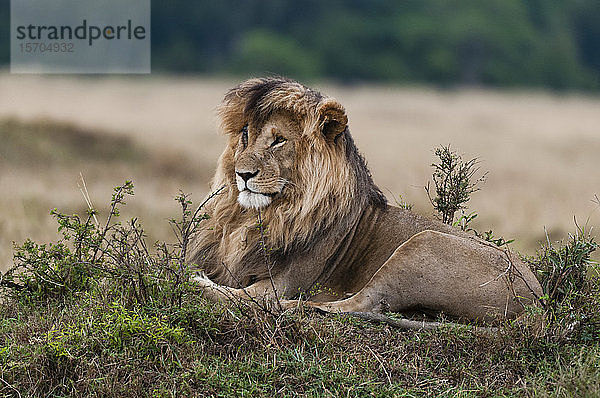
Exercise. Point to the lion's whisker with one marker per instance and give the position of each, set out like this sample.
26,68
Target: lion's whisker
287,182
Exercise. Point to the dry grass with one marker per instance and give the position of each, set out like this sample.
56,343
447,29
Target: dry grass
542,150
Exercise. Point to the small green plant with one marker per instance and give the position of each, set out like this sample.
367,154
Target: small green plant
400,201
56,269
464,221
570,281
488,236
454,181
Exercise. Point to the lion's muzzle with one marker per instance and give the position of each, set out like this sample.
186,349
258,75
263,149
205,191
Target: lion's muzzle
253,200
253,194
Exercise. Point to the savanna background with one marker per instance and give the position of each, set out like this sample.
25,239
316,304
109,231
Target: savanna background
515,83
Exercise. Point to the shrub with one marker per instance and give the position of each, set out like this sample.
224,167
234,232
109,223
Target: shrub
570,280
454,182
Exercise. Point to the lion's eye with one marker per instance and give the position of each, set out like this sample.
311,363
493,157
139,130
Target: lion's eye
279,140
245,136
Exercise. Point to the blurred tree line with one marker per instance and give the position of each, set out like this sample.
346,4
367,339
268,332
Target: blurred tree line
554,43
551,43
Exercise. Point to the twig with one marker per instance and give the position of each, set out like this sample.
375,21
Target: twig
10,386
510,267
190,227
408,324
497,277
113,206
267,260
86,197
547,237
382,365
195,215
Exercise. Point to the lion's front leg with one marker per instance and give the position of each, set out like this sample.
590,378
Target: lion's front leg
264,292
212,290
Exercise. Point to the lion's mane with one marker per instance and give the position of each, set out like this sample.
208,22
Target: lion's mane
330,186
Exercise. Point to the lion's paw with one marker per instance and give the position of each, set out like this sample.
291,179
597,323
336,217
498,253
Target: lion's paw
202,279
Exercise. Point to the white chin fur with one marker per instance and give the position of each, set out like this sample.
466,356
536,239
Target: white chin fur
251,200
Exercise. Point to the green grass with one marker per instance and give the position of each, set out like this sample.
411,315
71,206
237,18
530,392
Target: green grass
88,348
99,314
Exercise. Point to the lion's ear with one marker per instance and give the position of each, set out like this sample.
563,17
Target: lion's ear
332,119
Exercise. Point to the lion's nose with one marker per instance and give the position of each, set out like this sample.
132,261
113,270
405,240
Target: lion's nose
245,175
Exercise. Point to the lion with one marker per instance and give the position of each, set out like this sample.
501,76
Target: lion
299,216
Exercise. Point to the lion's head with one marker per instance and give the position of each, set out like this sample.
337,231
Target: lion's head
290,157
274,127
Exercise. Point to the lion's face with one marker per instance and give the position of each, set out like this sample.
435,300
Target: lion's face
264,158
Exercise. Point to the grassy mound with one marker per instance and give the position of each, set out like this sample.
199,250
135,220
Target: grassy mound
99,313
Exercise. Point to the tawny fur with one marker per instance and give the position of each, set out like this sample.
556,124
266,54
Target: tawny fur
308,205
328,232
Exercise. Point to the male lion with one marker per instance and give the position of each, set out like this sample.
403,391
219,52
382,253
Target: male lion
300,216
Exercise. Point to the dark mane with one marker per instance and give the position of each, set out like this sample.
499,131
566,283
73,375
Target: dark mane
256,93
257,96
363,175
